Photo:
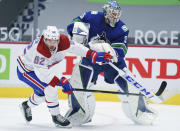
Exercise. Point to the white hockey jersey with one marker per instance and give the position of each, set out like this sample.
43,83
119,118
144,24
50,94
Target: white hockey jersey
39,59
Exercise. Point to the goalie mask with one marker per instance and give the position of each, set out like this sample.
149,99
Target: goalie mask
80,32
112,12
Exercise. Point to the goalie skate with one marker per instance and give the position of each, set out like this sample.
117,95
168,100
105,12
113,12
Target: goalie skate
26,111
60,121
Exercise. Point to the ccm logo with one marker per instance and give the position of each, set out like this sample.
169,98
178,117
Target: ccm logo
137,85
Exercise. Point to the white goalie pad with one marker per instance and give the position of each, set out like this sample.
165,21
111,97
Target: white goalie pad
103,47
136,108
81,104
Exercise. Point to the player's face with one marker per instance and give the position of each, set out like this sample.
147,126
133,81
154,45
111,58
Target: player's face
51,44
114,14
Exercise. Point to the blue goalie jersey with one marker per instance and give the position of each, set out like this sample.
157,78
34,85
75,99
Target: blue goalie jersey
117,36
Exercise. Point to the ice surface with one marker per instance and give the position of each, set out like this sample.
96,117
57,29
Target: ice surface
108,117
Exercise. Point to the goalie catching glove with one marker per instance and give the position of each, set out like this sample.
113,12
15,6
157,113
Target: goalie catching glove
67,88
94,56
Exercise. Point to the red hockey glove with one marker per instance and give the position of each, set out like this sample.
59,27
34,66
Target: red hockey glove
98,56
67,88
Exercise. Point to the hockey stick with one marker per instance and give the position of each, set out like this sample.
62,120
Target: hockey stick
128,76
158,93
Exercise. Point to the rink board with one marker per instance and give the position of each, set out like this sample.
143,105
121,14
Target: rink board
150,65
7,92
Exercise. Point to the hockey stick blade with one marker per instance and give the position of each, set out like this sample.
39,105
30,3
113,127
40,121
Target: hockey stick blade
161,88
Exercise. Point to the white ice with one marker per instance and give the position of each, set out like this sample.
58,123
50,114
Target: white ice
108,117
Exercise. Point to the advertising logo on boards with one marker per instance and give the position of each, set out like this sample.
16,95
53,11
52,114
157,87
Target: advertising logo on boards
4,63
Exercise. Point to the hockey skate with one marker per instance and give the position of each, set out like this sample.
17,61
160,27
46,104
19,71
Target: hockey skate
60,121
26,111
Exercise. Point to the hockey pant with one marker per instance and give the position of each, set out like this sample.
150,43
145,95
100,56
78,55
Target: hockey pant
81,104
135,108
42,92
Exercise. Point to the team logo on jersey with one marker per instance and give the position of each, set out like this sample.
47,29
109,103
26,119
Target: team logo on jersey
101,37
124,28
94,12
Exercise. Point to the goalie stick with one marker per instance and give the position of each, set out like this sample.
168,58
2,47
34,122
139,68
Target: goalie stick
128,76
158,93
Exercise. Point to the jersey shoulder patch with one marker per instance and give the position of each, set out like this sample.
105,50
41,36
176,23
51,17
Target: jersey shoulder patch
94,12
124,28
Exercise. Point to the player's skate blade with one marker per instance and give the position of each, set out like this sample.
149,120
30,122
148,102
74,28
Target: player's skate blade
26,112
61,122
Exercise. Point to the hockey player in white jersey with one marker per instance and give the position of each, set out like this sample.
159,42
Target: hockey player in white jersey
34,70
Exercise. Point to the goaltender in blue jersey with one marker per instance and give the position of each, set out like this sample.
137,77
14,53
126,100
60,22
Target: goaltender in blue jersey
103,31
113,31
116,31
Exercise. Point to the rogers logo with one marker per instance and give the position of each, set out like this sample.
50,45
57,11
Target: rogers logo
145,71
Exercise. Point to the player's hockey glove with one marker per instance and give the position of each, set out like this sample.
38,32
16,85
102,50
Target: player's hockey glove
98,56
67,88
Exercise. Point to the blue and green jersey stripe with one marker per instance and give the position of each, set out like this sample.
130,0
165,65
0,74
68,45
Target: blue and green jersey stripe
141,2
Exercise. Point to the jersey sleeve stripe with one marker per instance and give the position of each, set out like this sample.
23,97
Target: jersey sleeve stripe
22,65
76,20
120,45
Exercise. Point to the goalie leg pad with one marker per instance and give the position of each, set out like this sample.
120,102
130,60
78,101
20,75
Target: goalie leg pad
138,110
123,87
135,108
81,104
81,76
81,110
